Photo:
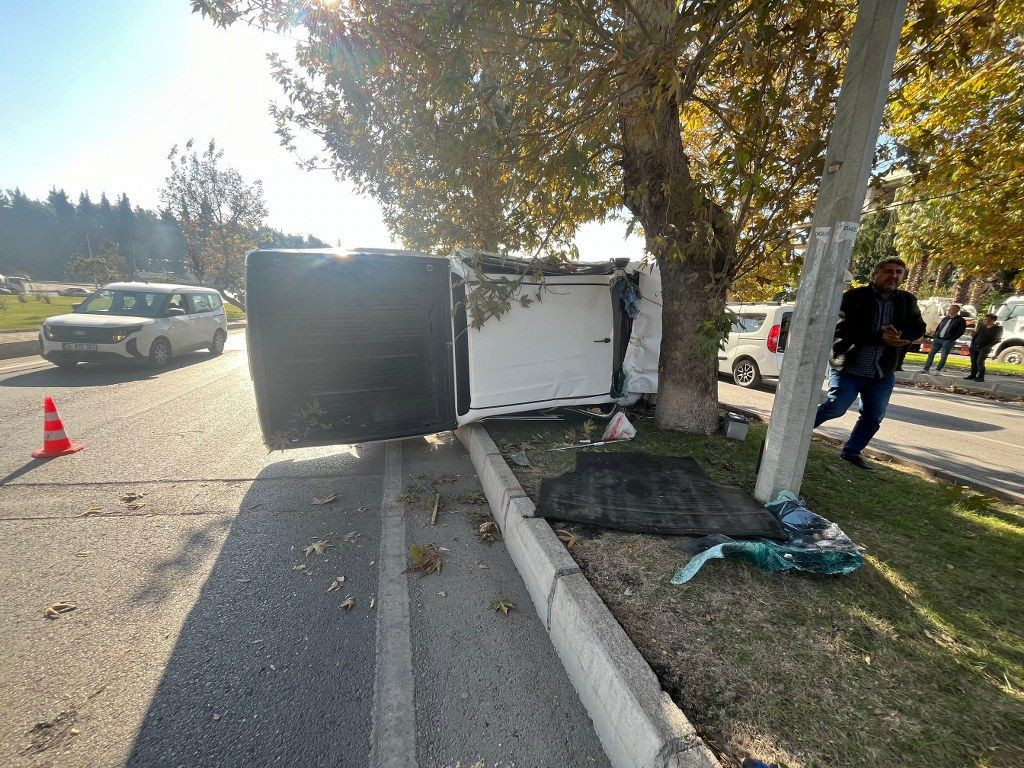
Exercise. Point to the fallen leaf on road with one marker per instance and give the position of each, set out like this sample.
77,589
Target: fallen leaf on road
352,536
407,498
482,566
216,716
131,496
372,601
473,497
447,479
488,531
317,547
504,606
244,581
336,584
348,603
425,560
83,553
137,505
299,567
442,594
91,511
54,610
319,501
566,537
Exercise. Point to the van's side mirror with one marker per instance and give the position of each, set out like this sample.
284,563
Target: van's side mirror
175,312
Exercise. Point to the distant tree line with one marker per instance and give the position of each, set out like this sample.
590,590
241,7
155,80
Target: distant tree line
58,239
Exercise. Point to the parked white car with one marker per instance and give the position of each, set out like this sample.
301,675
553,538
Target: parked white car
142,322
754,349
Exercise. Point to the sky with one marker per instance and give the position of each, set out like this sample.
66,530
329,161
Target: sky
93,95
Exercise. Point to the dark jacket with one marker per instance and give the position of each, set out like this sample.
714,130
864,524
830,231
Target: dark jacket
985,337
854,329
955,331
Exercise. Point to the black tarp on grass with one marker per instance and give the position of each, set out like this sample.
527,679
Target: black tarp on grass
653,494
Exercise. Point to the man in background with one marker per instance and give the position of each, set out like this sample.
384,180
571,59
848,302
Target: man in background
950,328
985,337
874,322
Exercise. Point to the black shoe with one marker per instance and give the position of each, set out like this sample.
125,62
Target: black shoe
857,461
979,379
972,377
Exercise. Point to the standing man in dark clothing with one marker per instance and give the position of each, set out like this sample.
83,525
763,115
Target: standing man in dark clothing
985,337
950,328
874,322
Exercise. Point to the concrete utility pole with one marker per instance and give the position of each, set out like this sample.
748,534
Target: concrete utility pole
844,183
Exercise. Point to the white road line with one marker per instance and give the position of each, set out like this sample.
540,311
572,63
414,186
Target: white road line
393,734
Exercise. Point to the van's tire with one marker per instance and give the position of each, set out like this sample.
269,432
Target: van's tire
745,373
159,353
1012,355
217,345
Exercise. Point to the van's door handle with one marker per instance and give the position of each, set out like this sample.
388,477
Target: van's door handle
602,341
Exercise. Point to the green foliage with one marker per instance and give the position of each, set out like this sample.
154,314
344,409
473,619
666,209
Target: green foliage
219,213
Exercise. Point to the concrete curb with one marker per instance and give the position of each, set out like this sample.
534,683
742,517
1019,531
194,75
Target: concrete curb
30,347
932,472
638,724
1001,386
19,348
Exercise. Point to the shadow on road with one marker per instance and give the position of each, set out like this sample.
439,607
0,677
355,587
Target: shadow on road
268,669
97,374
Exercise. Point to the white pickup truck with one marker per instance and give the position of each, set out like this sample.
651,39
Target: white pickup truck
351,346
1010,315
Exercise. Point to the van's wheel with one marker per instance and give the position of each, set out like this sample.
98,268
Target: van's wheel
217,345
1012,355
159,353
745,373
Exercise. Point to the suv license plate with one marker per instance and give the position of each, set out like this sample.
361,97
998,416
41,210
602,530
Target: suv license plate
79,347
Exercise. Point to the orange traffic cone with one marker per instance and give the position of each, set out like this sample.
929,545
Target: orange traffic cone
55,439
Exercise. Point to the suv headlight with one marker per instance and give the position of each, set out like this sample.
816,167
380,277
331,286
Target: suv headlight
48,332
123,333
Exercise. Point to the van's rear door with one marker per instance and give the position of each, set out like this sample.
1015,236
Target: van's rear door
350,346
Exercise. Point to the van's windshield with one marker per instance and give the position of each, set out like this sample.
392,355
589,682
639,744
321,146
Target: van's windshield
130,303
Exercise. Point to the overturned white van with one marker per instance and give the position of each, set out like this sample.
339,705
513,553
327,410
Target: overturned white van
352,346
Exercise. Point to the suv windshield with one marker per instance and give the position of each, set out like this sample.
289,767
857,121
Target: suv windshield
130,303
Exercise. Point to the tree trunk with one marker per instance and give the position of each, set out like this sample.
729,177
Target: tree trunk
979,286
942,275
960,292
917,272
690,237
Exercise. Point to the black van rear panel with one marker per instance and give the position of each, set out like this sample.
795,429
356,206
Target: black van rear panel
347,347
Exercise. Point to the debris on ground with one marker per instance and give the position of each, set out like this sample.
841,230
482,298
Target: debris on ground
815,544
299,567
520,459
91,511
348,603
318,547
486,528
320,501
567,538
644,493
619,428
447,479
472,497
352,537
407,498
131,496
433,513
336,584
504,605
426,559
54,610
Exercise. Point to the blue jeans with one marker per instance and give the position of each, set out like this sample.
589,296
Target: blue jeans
939,345
843,389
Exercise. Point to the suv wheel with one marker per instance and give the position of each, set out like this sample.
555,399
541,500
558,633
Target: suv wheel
159,353
217,345
1012,355
745,373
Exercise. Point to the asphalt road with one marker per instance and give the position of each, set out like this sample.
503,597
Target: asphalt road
204,636
963,434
